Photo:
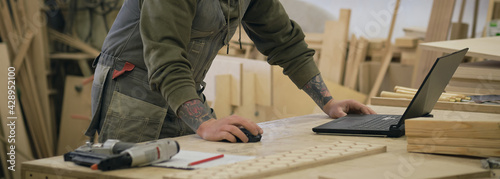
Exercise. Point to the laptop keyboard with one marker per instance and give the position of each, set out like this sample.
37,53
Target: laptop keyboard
378,123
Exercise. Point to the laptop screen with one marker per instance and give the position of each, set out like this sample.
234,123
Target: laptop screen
433,85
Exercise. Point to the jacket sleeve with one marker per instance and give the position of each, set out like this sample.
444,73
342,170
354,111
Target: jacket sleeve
165,31
281,39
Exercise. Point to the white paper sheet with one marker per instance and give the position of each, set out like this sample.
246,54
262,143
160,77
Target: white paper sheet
184,157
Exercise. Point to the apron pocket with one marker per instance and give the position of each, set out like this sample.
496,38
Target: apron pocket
131,120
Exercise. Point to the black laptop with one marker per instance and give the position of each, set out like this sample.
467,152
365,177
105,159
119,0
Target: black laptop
420,106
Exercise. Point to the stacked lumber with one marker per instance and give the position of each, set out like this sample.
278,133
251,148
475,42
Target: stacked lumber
22,28
476,78
454,135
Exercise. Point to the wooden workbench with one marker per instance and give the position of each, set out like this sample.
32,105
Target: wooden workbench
295,133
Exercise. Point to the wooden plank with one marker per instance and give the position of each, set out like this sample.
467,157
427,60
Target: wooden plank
34,15
248,103
437,30
472,90
333,51
348,75
262,70
455,127
453,106
224,66
468,151
485,47
361,50
4,113
75,103
474,19
22,143
457,142
36,121
222,103
73,42
387,58
73,56
459,30
23,50
485,70
380,76
409,56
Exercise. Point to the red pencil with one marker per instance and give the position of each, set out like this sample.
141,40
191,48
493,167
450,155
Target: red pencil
206,160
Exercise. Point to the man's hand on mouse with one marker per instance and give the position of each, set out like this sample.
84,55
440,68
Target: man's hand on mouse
336,109
227,129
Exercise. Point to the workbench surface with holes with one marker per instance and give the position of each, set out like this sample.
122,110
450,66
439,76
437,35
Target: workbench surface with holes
379,157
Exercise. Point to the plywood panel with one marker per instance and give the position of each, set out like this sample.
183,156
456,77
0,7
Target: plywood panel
222,104
75,116
220,67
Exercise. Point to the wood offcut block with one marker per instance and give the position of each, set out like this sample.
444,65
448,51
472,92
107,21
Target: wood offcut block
458,136
286,162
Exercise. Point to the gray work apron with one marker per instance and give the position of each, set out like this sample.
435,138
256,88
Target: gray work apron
125,107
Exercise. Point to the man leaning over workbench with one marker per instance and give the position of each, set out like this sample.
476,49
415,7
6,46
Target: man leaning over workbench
148,81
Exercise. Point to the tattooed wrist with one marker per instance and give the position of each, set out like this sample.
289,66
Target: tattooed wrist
318,91
194,112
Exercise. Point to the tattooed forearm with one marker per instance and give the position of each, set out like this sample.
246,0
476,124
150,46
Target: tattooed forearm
194,112
318,91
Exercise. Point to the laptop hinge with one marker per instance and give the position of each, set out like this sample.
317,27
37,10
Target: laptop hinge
428,115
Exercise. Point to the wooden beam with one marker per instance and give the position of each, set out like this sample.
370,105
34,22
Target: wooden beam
333,51
387,58
350,61
73,42
23,50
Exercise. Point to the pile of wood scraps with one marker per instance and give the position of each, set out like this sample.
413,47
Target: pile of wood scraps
454,135
409,93
23,29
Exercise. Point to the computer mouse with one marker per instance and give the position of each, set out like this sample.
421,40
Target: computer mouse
251,137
